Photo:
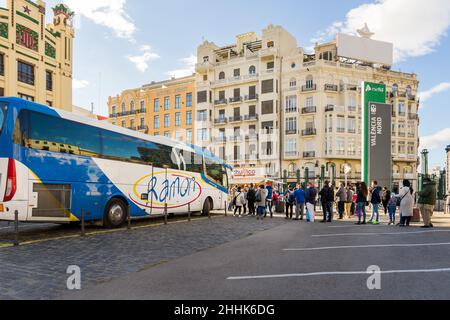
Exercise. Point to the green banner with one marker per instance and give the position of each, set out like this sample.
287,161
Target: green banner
371,93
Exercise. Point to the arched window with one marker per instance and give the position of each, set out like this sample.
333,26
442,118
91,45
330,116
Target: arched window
222,75
292,168
132,106
394,88
123,107
408,91
252,70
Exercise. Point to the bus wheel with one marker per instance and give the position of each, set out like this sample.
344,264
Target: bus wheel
115,214
207,206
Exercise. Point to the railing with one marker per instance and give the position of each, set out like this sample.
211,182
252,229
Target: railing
251,137
235,119
353,131
142,111
331,87
113,115
309,132
235,99
340,130
291,131
222,120
413,116
309,154
291,154
309,88
251,97
352,108
251,117
143,127
307,110
329,108
220,101
402,114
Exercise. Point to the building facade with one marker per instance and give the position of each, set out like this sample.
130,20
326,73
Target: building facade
164,108
36,59
264,102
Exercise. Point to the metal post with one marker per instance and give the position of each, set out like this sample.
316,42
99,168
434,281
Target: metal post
226,208
189,212
165,213
128,218
16,228
82,223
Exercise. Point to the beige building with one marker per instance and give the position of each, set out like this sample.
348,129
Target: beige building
266,102
165,108
36,59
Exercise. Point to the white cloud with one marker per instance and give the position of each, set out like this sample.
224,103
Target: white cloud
108,13
142,61
427,95
187,70
79,84
416,27
438,140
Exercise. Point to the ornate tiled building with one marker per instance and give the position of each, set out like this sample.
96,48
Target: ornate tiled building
35,58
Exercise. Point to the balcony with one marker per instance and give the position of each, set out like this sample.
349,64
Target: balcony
402,114
291,131
222,139
220,102
309,88
113,115
352,131
352,108
340,130
291,154
142,110
268,52
309,132
251,117
221,120
132,128
143,128
235,119
251,157
411,97
252,97
331,87
235,100
309,154
329,108
236,138
251,137
413,116
204,67
308,110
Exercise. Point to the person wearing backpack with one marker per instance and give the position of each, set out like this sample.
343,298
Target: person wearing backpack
260,201
239,202
251,199
327,199
269,199
290,201
375,200
392,206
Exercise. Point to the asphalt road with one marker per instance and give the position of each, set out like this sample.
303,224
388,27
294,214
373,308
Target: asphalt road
299,261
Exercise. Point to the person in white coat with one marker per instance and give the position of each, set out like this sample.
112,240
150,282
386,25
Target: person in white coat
239,202
406,196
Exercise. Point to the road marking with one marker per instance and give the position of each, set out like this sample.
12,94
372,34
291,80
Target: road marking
336,273
376,234
371,246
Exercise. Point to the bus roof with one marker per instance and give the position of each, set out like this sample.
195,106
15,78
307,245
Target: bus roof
24,104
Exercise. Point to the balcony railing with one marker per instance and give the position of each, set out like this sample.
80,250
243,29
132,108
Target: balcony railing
144,127
251,137
291,154
309,88
220,101
329,108
235,119
291,131
221,120
340,130
309,132
251,117
251,97
113,115
307,110
309,154
331,87
413,116
353,131
235,99
352,108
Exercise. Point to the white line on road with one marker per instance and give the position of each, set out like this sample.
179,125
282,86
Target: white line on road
371,246
377,234
336,273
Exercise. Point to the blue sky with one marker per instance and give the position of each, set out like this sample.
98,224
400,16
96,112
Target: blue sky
122,44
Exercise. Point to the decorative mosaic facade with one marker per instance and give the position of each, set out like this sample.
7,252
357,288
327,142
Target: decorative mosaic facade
27,37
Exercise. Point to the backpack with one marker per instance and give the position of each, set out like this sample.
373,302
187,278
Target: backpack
291,197
258,196
234,201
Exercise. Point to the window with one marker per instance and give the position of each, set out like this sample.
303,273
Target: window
267,148
166,120
188,118
177,135
177,102
206,59
328,55
156,122
132,110
267,107
142,106
189,135
351,147
202,115
123,124
267,127
291,104
293,83
340,127
166,103
351,125
340,145
202,134
401,109
309,82
291,146
2,64
252,71
49,80
222,76
26,97
309,102
205,77
167,134
267,86
237,73
156,105
270,65
178,119
216,172
270,44
132,124
25,73
141,123
202,96
291,125
189,99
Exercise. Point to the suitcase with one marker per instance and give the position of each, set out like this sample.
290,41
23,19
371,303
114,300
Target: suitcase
416,216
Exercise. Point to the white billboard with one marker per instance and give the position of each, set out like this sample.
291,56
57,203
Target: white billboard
364,49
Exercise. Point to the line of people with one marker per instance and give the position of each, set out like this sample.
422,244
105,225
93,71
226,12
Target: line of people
351,200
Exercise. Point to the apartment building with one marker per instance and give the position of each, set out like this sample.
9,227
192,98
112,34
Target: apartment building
36,59
265,102
165,108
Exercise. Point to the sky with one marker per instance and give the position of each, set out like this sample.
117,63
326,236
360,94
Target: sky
122,44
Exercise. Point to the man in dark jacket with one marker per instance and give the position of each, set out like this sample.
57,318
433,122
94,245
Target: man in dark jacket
427,201
327,199
251,198
376,201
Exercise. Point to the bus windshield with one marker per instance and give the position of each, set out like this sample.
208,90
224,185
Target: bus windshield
3,110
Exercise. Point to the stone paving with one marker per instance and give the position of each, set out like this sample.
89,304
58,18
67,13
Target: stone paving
39,271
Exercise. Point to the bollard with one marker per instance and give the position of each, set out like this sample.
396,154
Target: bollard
189,212
128,218
165,214
83,233
16,228
226,209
